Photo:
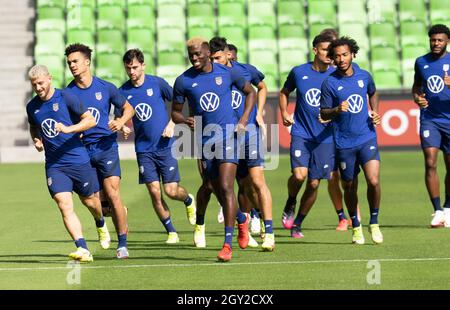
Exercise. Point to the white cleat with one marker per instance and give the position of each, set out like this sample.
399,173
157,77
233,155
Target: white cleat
377,236
104,237
438,219
172,238
252,242
220,217
447,217
82,255
358,236
255,226
191,211
199,236
122,253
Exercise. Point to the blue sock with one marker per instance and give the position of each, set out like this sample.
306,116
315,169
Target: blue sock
200,219
354,218
254,213
81,243
299,219
188,201
374,216
269,226
99,223
229,235
168,225
436,203
447,201
240,216
122,241
341,214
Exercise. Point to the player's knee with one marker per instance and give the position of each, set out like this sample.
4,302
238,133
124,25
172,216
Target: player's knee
373,181
431,165
154,191
299,176
314,184
171,191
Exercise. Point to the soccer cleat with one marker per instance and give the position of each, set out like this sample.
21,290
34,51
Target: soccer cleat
358,236
255,225
190,211
447,217
122,253
252,243
296,232
263,229
269,243
243,235
220,217
172,238
438,219
377,236
82,255
225,254
343,225
199,236
103,236
288,217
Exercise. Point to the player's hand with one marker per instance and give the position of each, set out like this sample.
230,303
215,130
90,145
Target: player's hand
38,144
376,118
126,131
343,107
288,120
447,79
190,121
421,100
240,128
168,131
262,125
59,127
116,125
322,121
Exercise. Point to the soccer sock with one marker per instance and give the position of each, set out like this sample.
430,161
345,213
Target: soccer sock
436,203
291,201
188,201
354,218
299,220
374,216
254,213
81,243
99,223
240,216
269,227
200,219
168,225
341,214
229,235
447,201
122,241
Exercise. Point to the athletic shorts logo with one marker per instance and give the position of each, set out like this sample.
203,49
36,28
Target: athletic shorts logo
141,169
435,84
150,92
95,113
218,80
48,128
343,165
98,96
236,99
361,83
426,133
55,107
298,153
143,111
209,102
355,103
49,181
312,97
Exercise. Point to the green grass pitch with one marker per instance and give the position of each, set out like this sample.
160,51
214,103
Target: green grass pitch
34,244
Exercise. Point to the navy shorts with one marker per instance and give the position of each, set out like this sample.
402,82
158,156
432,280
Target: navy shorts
158,165
319,158
250,156
82,179
214,153
435,134
350,159
105,160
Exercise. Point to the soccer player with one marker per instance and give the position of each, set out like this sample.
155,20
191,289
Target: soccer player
431,92
153,140
208,87
56,118
345,98
233,51
250,173
312,148
100,141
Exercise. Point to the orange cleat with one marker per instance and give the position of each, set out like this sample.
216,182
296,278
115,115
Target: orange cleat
343,225
225,254
243,234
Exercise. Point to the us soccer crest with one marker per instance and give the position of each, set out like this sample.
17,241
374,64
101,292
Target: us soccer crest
49,181
361,83
98,96
445,67
219,80
55,107
150,92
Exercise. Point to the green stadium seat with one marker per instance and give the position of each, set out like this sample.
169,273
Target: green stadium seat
352,11
291,12
78,3
110,41
234,35
315,29
356,31
50,24
111,17
142,39
170,72
81,18
271,81
440,12
409,55
171,39
51,3
200,31
81,36
142,2
261,13
231,14
322,12
292,36
50,42
167,58
171,15
383,34
290,58
150,67
262,37
55,65
181,3
121,3
385,58
201,14
50,12
412,10
141,16
109,66
408,78
266,62
386,80
413,33
382,11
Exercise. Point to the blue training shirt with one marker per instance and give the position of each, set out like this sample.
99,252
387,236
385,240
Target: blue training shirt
98,97
151,114
354,127
61,149
308,82
431,71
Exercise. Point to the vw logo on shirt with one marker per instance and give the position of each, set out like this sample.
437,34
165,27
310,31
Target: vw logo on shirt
355,103
95,113
435,84
236,99
143,111
209,102
48,128
312,97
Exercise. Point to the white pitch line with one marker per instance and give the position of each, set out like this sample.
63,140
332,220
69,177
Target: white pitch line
217,264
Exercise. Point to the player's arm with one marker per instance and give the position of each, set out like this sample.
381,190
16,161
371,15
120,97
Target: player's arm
87,121
177,105
327,111
417,91
374,103
167,95
446,79
36,137
262,96
283,102
127,114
